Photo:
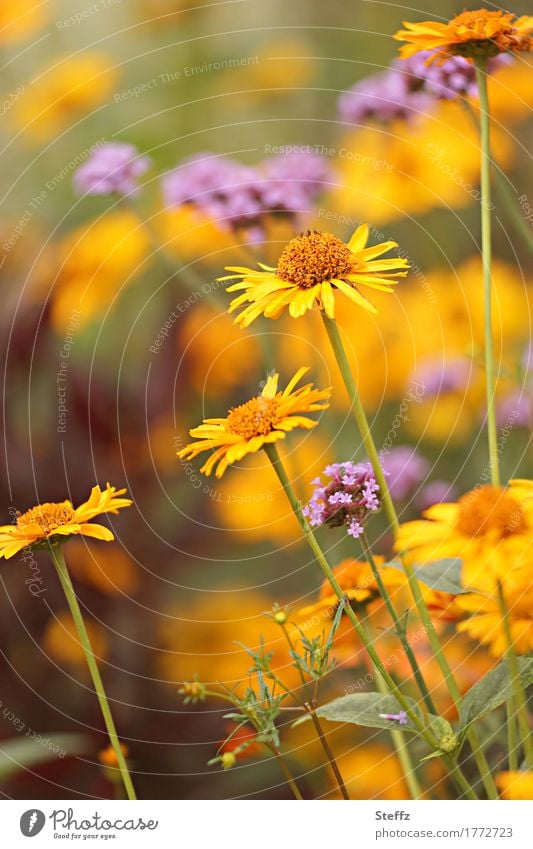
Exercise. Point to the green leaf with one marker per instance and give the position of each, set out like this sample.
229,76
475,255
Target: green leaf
20,753
492,691
364,709
443,575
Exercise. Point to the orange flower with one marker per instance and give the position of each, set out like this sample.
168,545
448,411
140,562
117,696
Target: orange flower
515,785
481,33
107,756
51,520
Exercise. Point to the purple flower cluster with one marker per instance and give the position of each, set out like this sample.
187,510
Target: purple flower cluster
347,499
410,87
114,167
239,196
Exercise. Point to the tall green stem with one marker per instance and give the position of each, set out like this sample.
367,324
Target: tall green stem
64,577
400,628
486,251
388,506
519,697
425,733
310,707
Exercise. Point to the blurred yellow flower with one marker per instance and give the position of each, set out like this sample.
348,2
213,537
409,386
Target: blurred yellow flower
371,771
61,641
95,262
107,756
201,638
51,520
384,174
254,507
485,623
489,528
515,785
19,20
310,269
261,421
107,569
71,88
480,33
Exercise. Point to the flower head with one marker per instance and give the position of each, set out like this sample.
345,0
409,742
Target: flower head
262,420
489,529
358,584
54,520
310,269
240,197
405,468
400,718
515,784
485,621
480,33
112,167
347,499
108,757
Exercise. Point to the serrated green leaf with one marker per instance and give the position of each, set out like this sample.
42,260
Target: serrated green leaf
20,753
492,691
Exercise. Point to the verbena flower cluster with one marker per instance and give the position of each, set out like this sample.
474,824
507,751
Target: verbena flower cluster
410,87
239,196
114,167
347,499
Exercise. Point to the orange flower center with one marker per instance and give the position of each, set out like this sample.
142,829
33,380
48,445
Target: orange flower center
490,508
478,19
314,257
256,417
48,516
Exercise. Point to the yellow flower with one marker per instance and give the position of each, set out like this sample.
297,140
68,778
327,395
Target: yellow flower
479,33
19,20
107,756
61,641
486,622
489,529
258,422
515,784
95,262
358,583
109,569
309,270
61,519
72,87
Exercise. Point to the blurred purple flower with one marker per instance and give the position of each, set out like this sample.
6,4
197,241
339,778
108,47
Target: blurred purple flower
238,196
436,492
113,167
515,409
437,377
405,470
347,499
410,87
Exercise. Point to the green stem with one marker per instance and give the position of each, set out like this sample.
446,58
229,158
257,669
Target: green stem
287,773
486,251
400,629
504,191
398,738
310,707
388,506
512,736
274,458
64,577
519,697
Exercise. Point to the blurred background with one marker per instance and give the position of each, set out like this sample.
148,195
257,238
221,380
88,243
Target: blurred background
115,342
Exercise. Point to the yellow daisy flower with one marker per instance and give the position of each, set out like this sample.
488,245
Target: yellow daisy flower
309,270
54,519
489,529
261,420
515,784
479,33
485,624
